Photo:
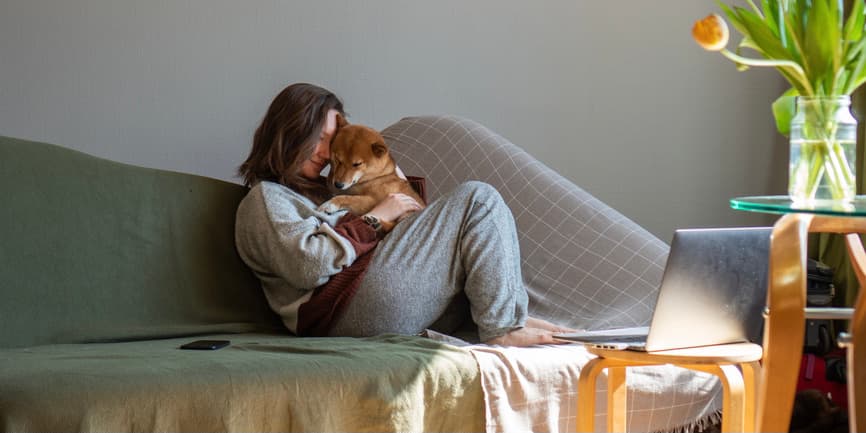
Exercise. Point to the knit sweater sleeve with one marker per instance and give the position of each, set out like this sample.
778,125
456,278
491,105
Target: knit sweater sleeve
280,235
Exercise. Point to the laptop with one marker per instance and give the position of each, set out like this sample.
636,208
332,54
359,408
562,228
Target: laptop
713,291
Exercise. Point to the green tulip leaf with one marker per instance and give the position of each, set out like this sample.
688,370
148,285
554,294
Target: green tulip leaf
734,18
858,71
769,8
793,35
853,54
854,26
784,109
762,35
822,43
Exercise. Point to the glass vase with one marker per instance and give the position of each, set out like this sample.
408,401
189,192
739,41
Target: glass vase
823,150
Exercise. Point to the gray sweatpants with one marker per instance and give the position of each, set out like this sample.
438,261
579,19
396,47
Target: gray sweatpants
464,243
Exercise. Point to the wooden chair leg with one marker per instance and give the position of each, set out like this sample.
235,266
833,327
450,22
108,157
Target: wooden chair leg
733,395
617,410
586,394
785,326
733,419
856,393
751,374
857,345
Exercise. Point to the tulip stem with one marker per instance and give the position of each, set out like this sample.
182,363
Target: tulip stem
755,8
800,73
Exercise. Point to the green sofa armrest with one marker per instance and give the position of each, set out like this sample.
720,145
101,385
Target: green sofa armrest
95,250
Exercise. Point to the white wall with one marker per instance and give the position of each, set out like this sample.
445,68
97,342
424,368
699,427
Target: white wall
613,94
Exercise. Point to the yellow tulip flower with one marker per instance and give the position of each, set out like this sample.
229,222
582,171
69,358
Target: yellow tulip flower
711,32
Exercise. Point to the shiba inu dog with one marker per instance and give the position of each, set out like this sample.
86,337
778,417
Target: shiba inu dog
362,171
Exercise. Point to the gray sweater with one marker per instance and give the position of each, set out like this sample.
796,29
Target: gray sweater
290,246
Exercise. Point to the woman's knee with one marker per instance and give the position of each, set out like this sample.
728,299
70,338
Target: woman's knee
479,192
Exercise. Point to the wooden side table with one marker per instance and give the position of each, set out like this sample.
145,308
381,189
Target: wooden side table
738,405
786,313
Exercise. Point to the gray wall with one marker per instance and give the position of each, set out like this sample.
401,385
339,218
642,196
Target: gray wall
613,94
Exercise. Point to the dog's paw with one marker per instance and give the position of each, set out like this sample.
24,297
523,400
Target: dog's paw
331,207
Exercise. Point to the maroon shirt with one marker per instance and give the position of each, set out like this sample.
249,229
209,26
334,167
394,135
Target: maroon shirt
318,314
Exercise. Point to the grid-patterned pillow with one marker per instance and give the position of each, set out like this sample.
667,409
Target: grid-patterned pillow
584,264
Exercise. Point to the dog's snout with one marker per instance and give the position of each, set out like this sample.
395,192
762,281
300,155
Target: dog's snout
339,185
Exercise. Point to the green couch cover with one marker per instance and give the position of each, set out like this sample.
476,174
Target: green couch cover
94,250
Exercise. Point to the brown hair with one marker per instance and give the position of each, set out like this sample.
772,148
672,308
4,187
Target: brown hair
287,137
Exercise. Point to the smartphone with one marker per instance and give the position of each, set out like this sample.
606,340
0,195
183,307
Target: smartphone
206,345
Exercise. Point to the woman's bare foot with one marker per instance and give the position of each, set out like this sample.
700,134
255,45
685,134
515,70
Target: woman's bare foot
536,331
532,322
524,337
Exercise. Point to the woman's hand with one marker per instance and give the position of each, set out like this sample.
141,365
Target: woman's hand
394,207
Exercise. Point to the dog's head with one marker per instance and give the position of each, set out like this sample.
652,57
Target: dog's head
358,153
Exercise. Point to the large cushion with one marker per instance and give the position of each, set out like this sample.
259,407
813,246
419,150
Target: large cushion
584,264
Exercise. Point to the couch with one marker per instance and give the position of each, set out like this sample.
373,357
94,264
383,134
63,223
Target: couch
107,268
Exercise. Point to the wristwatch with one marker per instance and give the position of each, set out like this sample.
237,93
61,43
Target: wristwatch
373,221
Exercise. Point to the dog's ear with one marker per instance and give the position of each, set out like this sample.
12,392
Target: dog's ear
379,149
341,121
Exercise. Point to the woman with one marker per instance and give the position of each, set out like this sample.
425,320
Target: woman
340,275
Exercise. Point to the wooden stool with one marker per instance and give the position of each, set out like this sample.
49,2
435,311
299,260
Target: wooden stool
738,403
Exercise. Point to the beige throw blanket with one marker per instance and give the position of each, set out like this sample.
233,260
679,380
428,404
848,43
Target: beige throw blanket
535,389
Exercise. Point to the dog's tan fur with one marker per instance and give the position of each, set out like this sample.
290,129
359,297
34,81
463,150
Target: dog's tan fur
362,171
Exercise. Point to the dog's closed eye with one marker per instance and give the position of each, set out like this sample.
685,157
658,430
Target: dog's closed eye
357,164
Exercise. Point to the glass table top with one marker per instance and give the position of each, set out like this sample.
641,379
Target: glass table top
783,204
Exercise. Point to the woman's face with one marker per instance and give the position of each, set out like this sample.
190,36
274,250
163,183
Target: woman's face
311,168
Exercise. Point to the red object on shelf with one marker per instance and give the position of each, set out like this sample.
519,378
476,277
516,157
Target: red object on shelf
813,375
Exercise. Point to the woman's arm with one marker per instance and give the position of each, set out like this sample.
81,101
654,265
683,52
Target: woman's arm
278,234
